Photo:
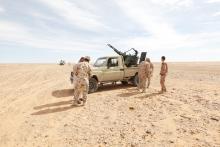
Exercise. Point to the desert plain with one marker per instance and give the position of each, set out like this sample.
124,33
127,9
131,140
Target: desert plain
36,111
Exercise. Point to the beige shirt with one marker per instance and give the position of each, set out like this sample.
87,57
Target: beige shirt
164,69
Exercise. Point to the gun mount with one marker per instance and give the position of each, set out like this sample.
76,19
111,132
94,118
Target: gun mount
129,59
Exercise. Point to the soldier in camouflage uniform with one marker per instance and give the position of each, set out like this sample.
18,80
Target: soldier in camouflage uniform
150,73
83,72
143,73
73,76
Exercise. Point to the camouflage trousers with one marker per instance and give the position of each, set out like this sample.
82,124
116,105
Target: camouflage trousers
142,85
148,81
81,88
162,83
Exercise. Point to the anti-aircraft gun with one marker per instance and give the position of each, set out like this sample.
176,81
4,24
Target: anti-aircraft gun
130,60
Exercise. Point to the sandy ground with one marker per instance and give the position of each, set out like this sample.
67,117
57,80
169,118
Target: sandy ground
35,109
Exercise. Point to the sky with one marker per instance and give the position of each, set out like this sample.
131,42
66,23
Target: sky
45,31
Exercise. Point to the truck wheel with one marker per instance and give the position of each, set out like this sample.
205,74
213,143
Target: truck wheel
124,82
93,85
135,80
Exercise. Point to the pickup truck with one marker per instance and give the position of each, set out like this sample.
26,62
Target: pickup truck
112,69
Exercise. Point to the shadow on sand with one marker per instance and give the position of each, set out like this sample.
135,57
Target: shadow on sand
58,106
63,93
70,92
47,110
133,92
129,94
113,87
53,104
149,95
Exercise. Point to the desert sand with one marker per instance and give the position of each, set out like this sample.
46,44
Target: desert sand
35,109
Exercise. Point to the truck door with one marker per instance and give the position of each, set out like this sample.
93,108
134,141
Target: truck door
115,70
143,56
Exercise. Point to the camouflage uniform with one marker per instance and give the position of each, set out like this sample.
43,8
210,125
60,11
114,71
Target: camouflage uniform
163,73
143,73
150,74
74,75
83,71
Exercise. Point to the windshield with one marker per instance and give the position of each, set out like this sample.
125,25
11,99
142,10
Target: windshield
100,62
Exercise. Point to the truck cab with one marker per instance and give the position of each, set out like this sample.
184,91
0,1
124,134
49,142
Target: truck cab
111,69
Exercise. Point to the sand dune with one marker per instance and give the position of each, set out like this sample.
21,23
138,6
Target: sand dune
35,109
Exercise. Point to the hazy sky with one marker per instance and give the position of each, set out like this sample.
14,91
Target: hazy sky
50,30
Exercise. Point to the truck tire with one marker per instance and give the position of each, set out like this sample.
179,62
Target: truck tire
135,80
93,85
124,82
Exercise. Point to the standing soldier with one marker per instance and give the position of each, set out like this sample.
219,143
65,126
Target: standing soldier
163,73
150,73
73,73
143,73
83,72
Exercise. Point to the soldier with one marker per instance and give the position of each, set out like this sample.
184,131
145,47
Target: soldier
143,74
150,73
163,73
83,72
73,75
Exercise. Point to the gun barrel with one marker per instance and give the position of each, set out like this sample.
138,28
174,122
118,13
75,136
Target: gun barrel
136,52
129,59
117,51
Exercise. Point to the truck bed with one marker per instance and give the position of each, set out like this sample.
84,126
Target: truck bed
130,71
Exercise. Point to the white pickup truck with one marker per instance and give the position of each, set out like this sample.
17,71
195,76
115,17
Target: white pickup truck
112,69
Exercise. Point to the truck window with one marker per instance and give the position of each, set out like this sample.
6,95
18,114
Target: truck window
112,62
100,62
